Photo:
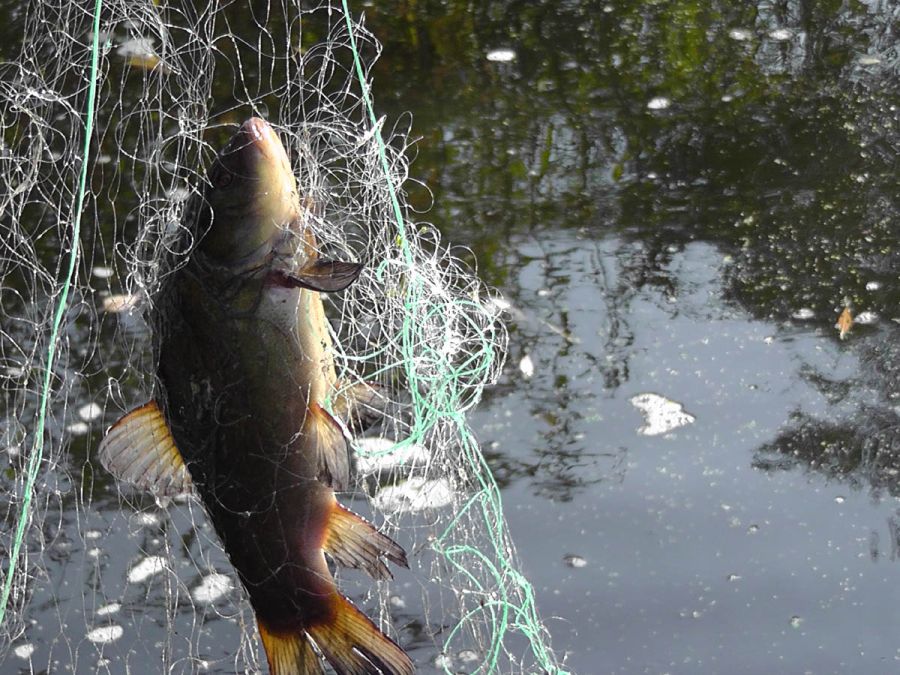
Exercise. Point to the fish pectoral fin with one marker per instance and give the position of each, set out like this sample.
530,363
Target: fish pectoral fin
139,449
331,448
360,405
353,644
326,276
354,542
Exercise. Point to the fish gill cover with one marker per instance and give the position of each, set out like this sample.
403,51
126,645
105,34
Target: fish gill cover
109,116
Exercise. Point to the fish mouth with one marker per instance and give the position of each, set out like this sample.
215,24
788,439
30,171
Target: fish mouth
256,136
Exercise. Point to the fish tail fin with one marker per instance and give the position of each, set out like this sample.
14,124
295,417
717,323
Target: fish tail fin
289,653
354,542
354,645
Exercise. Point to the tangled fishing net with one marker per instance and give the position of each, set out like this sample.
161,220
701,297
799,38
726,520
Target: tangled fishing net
108,117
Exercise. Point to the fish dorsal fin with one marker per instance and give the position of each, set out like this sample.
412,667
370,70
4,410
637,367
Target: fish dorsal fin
354,542
139,449
324,276
330,446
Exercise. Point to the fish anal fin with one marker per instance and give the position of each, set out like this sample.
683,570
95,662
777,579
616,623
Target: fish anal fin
353,644
360,405
354,542
289,653
139,449
324,276
332,451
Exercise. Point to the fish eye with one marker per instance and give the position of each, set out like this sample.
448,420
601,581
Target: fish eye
222,179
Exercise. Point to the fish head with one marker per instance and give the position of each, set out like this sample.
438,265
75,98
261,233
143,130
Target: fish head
251,194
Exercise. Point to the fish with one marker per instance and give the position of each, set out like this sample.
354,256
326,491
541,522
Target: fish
245,373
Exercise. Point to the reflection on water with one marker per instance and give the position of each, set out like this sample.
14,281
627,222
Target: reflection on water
677,198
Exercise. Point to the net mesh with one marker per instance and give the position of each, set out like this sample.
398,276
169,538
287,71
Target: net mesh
98,576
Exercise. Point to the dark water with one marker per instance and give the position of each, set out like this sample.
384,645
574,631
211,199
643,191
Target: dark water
675,198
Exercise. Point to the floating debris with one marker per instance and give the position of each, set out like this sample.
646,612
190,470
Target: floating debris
146,568
397,602
105,634
661,415
106,610
796,621
734,577
865,318
415,494
573,560
658,103
844,323
375,454
24,651
803,314
839,499
501,55
526,365
113,304
869,60
211,588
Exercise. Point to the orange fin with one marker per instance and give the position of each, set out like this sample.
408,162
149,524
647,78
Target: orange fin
289,654
360,405
354,542
332,451
139,449
353,644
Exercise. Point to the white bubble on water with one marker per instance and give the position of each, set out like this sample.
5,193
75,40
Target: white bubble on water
211,588
501,55
740,34
375,454
864,318
102,272
24,651
661,415
146,519
658,103
443,661
873,285
78,428
781,34
105,634
146,568
526,365
415,494
576,561
90,412
106,610
804,314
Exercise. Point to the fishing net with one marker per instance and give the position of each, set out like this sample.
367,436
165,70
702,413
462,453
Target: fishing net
109,114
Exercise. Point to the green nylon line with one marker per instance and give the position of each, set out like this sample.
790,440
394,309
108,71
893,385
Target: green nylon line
37,450
489,496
